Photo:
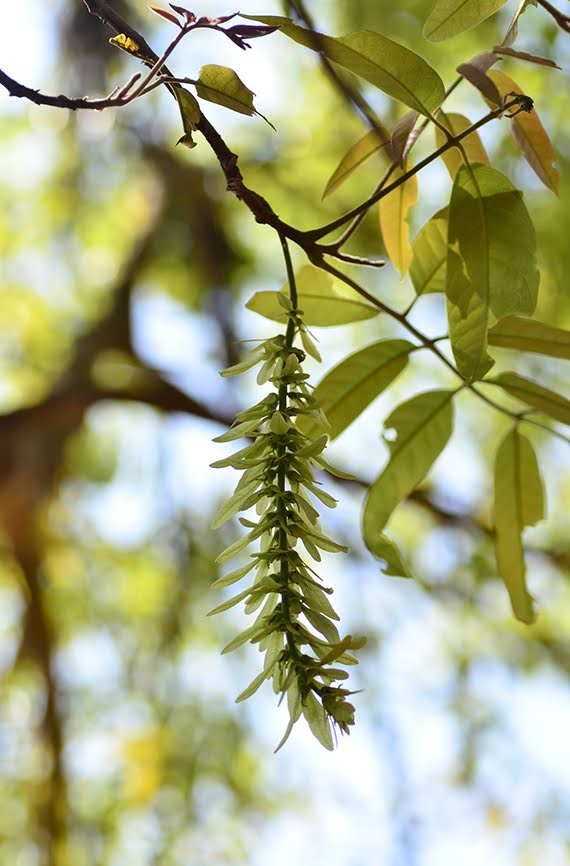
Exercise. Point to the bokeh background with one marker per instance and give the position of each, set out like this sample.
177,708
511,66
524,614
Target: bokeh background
124,271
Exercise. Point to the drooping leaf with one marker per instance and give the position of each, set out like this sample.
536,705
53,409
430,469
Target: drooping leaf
528,335
523,55
519,502
422,426
221,85
471,144
350,387
530,135
403,137
429,255
450,17
318,721
490,263
535,395
370,143
395,70
386,550
394,209
481,81
189,112
513,28
323,300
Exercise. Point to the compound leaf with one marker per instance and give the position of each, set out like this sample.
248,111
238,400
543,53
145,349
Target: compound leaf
491,263
528,335
422,426
395,70
519,502
350,387
542,399
429,255
394,209
472,144
370,143
530,135
324,301
450,17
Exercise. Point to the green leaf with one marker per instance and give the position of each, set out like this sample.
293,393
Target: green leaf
253,686
233,576
429,255
221,85
422,426
394,210
529,392
348,388
384,548
189,112
395,70
450,17
491,263
370,143
318,721
324,301
471,144
528,335
519,502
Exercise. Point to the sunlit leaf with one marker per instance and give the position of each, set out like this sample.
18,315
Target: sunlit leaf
519,502
422,428
450,17
394,210
318,721
221,85
395,70
530,135
535,395
471,144
429,255
350,387
393,562
324,301
491,262
369,144
528,335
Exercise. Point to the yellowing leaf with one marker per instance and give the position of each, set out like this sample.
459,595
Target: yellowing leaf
126,43
394,209
395,70
519,502
450,17
422,429
530,135
535,395
370,143
324,301
490,263
429,259
350,387
528,335
471,144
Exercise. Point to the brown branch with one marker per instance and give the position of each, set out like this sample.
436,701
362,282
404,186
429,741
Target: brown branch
561,19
